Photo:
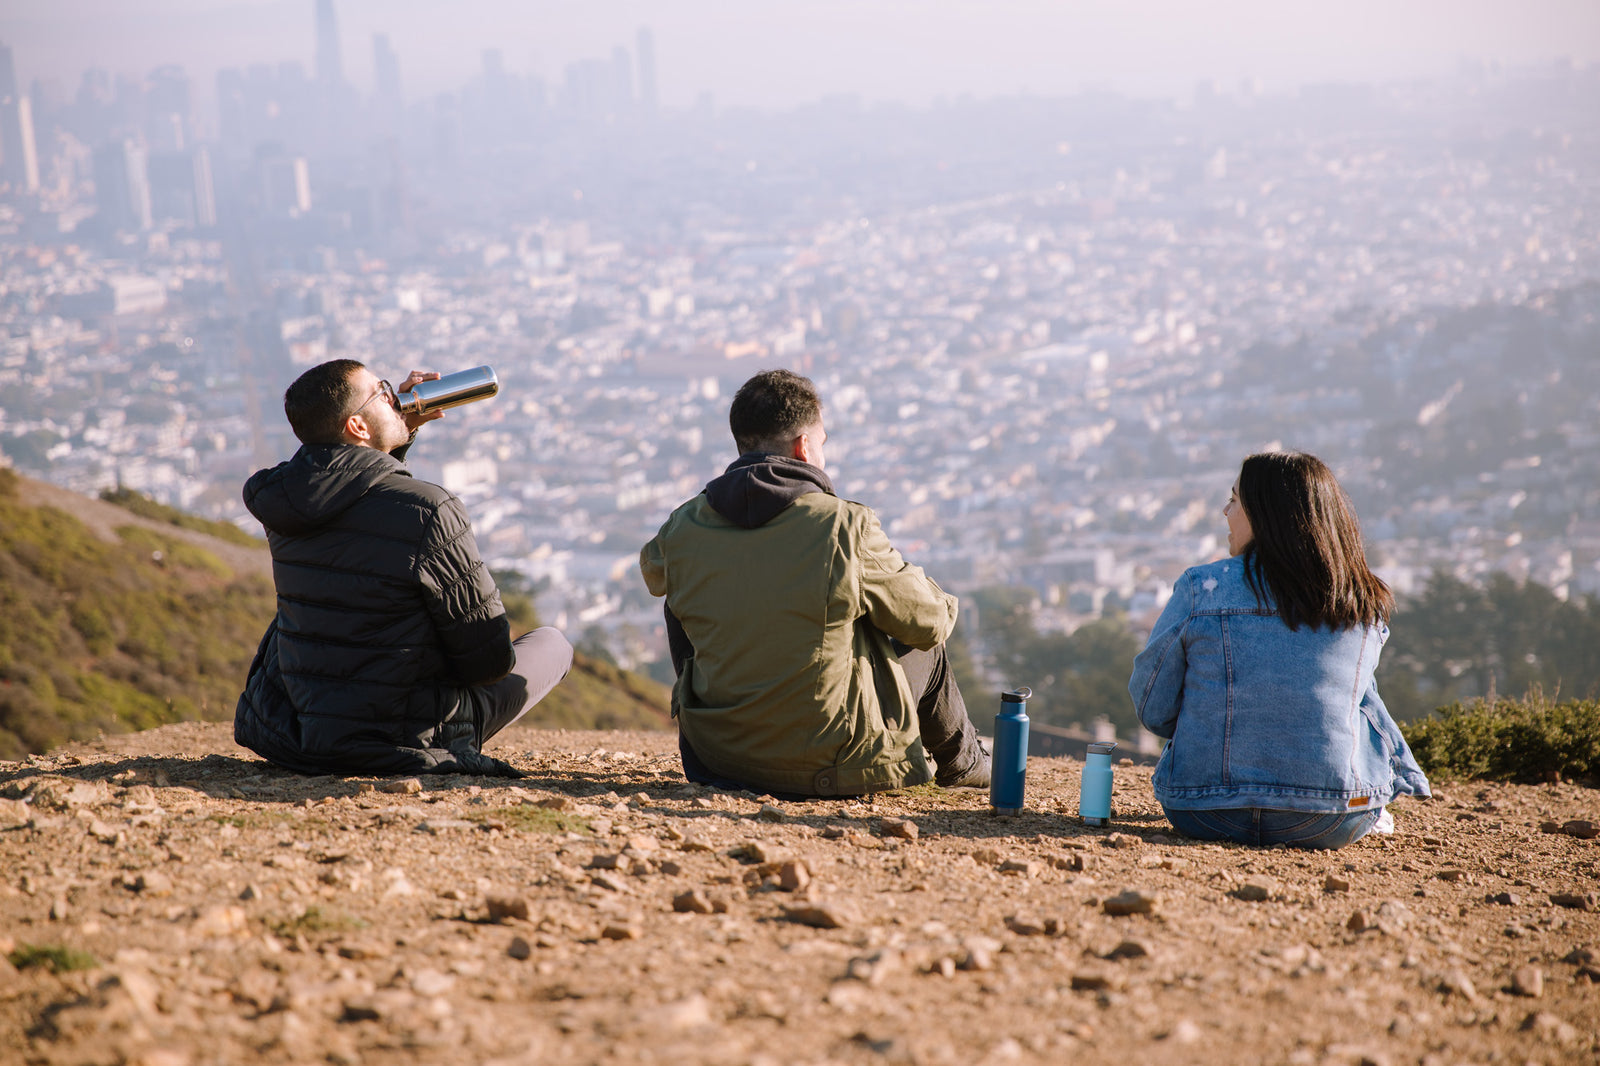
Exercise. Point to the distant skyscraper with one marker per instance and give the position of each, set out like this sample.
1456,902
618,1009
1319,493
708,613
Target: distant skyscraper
19,160
622,80
285,184
390,103
181,188
167,114
645,50
330,67
122,186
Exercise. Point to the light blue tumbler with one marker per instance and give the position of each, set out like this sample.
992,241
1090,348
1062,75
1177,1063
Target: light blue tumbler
1008,772
1094,791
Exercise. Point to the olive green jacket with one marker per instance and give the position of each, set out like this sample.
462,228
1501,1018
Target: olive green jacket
793,685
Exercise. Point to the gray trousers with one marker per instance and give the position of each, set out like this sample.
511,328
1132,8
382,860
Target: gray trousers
543,659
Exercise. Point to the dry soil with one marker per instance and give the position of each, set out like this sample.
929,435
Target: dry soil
203,907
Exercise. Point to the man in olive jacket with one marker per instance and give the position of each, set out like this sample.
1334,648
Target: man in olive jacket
390,652
810,655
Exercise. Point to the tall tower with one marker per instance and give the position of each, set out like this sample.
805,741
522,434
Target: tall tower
645,49
386,76
122,185
19,160
330,68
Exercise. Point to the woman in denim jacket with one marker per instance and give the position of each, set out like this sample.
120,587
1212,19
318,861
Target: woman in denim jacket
1260,673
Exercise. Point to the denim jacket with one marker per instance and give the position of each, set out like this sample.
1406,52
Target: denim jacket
1260,715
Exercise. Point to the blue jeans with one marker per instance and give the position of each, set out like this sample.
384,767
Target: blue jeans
1261,825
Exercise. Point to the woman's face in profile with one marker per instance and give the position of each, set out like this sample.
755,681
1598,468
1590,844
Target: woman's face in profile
1239,533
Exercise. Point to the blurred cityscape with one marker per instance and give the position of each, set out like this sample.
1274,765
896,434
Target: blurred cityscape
1046,329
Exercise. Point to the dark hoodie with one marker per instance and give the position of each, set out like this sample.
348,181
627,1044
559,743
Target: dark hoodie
387,618
757,488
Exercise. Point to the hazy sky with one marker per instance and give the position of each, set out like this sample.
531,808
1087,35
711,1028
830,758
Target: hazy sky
781,52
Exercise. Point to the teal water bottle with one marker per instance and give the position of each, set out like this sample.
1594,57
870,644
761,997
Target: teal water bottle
1094,789
1008,772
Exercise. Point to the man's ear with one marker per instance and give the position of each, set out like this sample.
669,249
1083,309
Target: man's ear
356,430
799,449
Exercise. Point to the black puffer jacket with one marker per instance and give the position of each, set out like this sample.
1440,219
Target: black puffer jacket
386,620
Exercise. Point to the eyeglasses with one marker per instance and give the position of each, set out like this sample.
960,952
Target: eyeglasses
385,390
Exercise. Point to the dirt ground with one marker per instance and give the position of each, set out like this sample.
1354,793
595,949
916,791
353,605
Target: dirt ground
203,908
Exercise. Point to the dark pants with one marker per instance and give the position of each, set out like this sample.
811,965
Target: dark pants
948,735
543,659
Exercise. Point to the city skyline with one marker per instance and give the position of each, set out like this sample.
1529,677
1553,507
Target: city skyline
785,54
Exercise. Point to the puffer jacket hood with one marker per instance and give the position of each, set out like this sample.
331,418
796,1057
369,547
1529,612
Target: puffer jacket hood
756,488
317,485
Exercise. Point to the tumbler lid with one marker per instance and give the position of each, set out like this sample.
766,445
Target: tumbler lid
1017,695
1101,747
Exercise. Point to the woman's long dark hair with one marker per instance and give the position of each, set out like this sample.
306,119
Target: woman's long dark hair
1306,544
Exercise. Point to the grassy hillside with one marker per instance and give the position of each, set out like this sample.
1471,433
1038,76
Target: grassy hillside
151,628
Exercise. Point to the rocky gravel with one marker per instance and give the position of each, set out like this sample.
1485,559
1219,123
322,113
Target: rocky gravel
170,900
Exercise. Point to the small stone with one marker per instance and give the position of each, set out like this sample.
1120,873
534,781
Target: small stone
1081,862
693,1012
758,851
555,803
1133,901
1025,925
1527,981
1024,868
1581,828
1458,983
1580,956
642,844
978,953
794,876
874,968
431,983
771,813
1453,876
622,931
1183,1032
406,786
1129,949
695,901
1123,840
222,920
1095,981
1256,890
606,861
609,882
1505,899
153,883
900,828
251,892
1577,901
507,908
1359,922
519,949
1335,884
58,909
1549,1027
819,915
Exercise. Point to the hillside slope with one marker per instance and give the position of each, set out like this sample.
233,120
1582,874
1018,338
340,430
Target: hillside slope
112,620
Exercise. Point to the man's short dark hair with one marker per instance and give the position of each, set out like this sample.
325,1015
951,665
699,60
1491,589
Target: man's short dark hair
771,409
320,400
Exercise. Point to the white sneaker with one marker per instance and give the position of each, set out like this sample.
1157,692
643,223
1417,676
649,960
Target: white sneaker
1385,823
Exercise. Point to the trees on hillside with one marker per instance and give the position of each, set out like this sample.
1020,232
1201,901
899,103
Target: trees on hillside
1076,677
1458,641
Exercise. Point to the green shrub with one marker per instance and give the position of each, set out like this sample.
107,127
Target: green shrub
1503,739
54,957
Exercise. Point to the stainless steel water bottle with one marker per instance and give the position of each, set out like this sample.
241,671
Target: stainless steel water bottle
1094,790
451,390
1008,769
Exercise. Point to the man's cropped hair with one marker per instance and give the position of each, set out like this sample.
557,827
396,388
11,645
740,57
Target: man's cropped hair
320,400
771,409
